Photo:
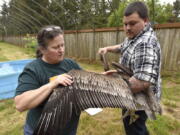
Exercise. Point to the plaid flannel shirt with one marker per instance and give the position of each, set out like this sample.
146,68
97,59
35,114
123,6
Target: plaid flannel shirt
142,55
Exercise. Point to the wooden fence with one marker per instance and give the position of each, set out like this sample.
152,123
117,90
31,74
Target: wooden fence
84,44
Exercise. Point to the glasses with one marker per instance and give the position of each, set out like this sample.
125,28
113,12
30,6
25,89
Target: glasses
53,28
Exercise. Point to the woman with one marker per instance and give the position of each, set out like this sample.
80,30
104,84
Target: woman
34,86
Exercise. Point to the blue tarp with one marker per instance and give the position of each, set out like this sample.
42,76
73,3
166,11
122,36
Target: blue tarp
9,72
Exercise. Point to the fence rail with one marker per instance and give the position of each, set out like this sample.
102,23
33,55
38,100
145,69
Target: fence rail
84,44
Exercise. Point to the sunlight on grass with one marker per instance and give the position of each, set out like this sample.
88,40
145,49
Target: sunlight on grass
12,52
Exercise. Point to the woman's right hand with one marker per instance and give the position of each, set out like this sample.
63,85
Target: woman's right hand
63,79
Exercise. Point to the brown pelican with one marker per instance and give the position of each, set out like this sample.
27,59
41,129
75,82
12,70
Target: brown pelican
92,90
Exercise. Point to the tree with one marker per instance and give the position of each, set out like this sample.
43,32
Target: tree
4,13
159,13
162,12
116,17
176,10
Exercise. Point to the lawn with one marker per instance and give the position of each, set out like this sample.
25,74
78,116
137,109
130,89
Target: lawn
108,122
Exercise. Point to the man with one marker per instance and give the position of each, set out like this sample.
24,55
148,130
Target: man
141,53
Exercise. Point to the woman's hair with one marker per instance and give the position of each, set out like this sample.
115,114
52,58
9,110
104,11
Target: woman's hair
138,7
46,34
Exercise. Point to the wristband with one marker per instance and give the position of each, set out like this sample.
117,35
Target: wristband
54,77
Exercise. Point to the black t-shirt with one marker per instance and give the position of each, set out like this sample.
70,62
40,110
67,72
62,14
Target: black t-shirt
36,74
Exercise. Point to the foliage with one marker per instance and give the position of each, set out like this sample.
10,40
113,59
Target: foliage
176,10
160,14
27,16
31,43
116,18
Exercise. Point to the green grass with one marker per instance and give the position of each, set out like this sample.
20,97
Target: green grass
11,121
108,122
91,67
11,52
171,86
164,125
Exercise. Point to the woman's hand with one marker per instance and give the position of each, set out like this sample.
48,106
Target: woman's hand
63,79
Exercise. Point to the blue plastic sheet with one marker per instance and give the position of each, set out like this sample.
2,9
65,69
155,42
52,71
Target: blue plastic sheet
9,72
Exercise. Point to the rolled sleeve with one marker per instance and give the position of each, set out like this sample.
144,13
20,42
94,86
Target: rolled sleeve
26,81
146,63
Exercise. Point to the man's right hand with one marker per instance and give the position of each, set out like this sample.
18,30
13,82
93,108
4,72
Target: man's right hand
113,49
102,50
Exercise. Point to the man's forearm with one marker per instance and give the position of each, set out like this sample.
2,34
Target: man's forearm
138,85
113,49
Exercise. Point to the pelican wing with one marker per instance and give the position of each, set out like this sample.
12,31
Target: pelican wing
89,90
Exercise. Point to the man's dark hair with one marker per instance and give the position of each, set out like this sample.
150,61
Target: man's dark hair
138,7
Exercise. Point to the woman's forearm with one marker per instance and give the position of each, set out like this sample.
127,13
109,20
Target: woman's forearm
32,98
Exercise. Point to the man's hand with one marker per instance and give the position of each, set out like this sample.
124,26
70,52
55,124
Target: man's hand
102,50
113,49
137,85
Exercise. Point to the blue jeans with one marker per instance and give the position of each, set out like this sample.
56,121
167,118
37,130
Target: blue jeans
71,126
70,129
138,127
28,130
